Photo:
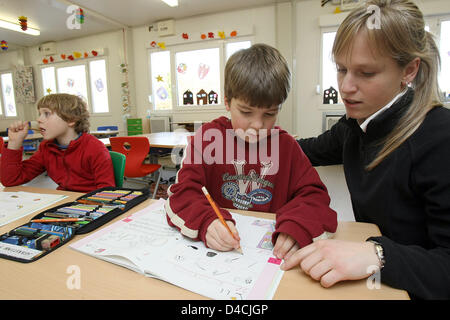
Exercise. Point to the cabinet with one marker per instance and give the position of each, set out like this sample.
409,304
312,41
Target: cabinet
134,127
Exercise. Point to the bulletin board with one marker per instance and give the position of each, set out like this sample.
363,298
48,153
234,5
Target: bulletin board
24,85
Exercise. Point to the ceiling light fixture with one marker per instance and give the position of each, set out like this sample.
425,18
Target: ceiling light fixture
16,27
172,3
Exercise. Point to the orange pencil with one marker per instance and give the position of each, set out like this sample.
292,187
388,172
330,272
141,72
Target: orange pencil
58,220
219,215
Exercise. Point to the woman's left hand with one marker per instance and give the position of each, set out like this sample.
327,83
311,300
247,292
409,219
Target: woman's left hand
331,261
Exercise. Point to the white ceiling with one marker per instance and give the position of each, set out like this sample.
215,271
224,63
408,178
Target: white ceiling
50,16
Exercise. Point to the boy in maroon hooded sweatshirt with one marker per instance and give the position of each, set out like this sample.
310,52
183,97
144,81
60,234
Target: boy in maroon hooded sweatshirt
246,163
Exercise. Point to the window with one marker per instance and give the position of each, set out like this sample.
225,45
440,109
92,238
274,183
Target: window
233,47
7,101
86,79
161,80
444,48
198,76
186,75
329,75
329,78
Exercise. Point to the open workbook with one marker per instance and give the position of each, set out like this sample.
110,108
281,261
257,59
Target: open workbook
145,243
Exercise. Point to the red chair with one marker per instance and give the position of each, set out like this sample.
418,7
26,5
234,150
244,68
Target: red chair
136,150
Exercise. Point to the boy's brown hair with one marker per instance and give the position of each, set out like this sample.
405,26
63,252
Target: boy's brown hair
258,75
68,107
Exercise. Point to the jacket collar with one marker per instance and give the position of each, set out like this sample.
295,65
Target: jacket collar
384,122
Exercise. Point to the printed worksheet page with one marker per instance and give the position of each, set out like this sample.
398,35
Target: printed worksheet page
144,242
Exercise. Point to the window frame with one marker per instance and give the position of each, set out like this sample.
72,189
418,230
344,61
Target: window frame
192,46
438,20
86,63
338,106
3,116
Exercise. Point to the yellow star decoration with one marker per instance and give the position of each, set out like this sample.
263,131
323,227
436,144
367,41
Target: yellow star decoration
222,34
159,79
49,90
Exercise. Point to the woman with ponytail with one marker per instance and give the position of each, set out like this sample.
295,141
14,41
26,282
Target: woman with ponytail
394,143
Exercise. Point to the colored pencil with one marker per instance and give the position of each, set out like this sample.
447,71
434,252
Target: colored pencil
219,215
58,220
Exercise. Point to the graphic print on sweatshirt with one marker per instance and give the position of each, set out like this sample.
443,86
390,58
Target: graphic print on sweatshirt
246,190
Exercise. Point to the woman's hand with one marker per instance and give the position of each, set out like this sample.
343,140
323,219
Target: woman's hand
331,261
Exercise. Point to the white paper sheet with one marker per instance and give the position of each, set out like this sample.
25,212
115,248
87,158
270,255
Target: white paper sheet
15,205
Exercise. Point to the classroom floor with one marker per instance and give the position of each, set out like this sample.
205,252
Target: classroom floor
332,177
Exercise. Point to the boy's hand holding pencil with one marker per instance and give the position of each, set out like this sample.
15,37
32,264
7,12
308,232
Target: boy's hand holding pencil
221,235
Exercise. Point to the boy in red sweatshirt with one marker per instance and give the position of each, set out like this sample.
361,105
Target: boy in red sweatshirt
246,163
73,159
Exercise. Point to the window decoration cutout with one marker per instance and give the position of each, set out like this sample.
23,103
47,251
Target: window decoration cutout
201,97
162,93
182,68
188,97
212,97
203,70
330,96
99,85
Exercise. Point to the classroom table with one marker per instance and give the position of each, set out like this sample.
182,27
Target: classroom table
101,133
168,140
47,278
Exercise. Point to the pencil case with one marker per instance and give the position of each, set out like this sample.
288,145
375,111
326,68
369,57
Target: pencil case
36,239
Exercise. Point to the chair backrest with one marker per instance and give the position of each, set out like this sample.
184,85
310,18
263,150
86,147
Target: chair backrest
107,128
118,161
135,149
1,144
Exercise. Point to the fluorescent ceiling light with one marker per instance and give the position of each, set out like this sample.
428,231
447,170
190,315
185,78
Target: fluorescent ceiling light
172,3
16,27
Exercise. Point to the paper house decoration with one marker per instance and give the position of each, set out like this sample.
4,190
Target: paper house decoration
330,94
212,97
188,97
202,97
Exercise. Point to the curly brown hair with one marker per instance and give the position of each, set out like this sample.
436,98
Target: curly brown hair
68,107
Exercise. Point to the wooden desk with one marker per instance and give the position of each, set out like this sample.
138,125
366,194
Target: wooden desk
161,139
47,278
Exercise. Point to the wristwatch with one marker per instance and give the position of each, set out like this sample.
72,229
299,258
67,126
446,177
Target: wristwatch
379,252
